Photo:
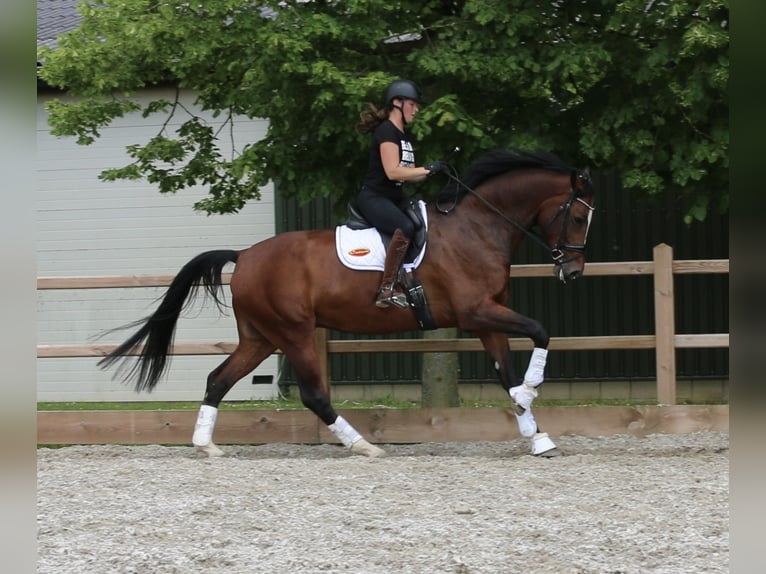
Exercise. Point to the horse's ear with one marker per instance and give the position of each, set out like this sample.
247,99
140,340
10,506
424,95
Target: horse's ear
581,181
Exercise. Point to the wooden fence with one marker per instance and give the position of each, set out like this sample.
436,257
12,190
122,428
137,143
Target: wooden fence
665,340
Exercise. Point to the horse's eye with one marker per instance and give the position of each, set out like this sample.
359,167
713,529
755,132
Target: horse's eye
580,220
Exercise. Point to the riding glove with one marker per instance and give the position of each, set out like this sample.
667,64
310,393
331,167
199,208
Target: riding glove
437,166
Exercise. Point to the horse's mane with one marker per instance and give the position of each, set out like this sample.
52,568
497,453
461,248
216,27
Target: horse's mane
500,161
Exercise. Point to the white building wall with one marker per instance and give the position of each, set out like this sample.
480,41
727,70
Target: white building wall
87,227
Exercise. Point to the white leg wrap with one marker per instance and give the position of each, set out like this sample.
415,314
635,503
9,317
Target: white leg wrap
534,375
527,423
344,431
542,443
203,430
522,397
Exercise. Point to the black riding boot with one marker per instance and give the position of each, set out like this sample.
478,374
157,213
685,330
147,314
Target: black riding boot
394,260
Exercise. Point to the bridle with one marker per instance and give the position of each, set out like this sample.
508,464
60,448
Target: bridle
557,253
562,245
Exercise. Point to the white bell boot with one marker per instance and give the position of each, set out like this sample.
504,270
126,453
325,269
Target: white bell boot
542,445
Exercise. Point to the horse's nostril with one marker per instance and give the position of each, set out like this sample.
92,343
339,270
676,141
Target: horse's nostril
574,275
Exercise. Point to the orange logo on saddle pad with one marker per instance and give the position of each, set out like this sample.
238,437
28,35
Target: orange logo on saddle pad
359,252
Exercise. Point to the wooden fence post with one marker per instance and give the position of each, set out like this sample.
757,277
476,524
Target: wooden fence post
320,344
664,324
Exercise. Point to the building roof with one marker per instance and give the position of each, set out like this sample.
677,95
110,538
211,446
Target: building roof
55,17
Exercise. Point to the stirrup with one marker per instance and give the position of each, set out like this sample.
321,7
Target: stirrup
398,299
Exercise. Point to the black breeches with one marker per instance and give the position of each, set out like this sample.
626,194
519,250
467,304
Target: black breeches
385,214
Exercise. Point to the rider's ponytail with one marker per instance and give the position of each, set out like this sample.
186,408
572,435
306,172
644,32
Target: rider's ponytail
371,118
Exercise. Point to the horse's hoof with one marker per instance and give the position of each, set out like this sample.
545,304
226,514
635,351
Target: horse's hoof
553,453
209,449
367,449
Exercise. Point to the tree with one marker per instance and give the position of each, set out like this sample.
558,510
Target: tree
439,386
638,86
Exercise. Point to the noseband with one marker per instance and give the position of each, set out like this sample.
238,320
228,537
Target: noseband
562,245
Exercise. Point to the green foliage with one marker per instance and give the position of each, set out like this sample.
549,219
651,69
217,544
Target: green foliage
638,87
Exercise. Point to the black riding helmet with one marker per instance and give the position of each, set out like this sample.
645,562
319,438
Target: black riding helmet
404,89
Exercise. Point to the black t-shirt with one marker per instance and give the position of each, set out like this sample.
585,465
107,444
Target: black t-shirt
376,178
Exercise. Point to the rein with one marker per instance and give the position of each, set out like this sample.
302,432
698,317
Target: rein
557,252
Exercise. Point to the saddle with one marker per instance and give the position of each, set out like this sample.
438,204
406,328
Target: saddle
410,207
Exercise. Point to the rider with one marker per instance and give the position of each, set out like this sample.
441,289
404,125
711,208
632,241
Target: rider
392,162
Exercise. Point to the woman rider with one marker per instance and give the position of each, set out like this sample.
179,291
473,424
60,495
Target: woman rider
392,162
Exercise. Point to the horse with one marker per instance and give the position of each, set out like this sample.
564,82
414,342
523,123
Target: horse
285,287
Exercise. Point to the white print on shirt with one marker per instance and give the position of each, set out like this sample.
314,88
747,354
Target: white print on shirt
408,154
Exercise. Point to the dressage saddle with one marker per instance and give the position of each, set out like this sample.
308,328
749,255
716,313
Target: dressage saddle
409,206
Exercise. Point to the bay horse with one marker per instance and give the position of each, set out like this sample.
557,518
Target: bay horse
285,287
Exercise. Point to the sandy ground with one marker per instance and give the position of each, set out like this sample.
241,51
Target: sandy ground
617,504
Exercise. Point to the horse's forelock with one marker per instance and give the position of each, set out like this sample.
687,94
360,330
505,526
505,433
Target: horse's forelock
582,182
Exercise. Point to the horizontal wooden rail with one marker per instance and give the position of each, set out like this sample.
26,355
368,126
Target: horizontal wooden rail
60,351
665,341
110,281
626,342
593,269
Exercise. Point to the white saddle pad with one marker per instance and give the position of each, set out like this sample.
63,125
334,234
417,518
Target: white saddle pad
363,249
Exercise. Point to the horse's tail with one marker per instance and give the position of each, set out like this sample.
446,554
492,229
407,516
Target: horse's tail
157,329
